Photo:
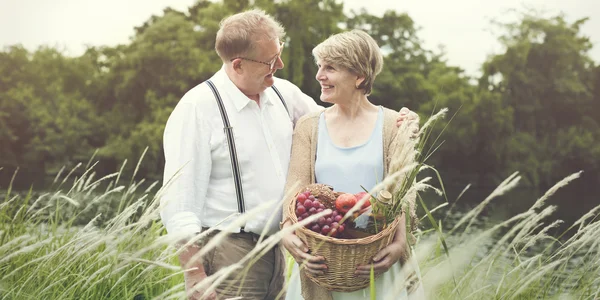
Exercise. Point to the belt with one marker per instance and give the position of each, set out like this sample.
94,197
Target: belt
242,234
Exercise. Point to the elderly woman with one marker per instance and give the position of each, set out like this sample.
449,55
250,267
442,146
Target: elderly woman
346,146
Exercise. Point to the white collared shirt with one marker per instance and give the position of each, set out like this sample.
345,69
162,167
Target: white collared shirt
199,188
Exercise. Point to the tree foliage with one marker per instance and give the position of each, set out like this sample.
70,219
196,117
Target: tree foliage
535,109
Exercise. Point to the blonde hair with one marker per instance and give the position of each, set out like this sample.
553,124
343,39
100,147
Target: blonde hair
238,33
354,50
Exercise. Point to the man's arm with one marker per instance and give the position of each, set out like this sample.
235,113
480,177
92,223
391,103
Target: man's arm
186,175
301,103
187,170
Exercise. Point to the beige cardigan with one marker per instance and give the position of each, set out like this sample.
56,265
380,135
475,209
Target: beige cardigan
302,172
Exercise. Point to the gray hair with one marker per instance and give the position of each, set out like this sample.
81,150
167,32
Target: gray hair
238,33
354,50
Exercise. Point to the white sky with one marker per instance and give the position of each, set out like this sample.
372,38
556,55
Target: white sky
462,26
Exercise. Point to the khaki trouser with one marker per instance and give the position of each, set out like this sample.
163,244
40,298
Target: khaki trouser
265,278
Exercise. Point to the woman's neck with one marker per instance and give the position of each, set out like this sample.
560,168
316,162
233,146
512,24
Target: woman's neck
354,108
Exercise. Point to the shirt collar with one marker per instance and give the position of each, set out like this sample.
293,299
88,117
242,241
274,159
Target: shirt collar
239,99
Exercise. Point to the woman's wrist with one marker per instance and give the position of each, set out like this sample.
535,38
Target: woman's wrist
285,222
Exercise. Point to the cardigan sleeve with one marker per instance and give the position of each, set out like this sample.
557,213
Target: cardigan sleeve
300,161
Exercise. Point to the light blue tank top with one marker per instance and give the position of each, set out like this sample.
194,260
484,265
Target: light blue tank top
346,169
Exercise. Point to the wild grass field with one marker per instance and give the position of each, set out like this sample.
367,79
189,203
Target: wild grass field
89,238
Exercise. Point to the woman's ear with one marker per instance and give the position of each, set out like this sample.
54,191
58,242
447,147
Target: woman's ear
359,81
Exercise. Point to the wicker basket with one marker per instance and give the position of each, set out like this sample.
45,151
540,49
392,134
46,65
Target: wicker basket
342,256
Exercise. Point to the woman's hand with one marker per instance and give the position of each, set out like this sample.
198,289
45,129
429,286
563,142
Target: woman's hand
312,264
383,260
388,256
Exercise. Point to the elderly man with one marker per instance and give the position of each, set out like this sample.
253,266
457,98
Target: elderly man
223,172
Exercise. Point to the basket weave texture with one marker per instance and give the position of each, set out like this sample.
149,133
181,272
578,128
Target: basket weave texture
342,256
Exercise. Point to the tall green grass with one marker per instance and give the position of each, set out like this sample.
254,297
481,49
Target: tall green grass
515,259
73,242
89,238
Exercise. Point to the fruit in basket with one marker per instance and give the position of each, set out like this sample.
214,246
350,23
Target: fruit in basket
337,218
301,198
300,210
308,204
345,202
359,197
307,208
322,221
322,192
316,228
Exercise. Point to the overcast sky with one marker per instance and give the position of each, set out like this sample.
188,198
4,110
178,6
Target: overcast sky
462,26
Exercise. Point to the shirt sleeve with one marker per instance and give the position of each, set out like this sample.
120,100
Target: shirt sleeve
187,170
303,104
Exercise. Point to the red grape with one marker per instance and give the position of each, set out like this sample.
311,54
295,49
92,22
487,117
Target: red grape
316,228
321,221
325,230
300,210
337,218
308,204
312,210
333,232
301,198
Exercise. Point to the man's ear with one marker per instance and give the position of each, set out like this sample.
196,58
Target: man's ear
237,65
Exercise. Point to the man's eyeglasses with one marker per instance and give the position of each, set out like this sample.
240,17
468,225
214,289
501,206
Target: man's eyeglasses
271,64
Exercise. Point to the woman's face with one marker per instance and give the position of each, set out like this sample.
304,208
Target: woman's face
338,85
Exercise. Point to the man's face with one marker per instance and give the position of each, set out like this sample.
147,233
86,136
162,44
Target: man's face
258,69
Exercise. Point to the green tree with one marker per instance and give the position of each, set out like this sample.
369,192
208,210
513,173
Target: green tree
307,23
546,75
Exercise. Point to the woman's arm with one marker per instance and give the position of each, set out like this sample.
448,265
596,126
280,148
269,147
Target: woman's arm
299,176
300,163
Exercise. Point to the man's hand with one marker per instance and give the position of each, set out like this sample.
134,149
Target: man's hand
192,279
406,115
194,274
313,264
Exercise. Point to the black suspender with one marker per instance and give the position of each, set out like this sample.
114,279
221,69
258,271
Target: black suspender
281,98
235,166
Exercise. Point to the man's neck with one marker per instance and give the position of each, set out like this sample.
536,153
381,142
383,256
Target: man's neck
233,76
